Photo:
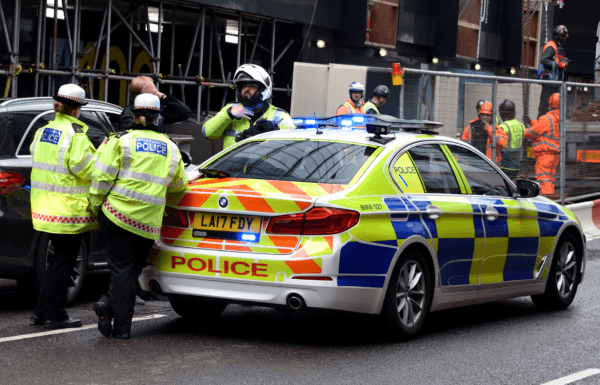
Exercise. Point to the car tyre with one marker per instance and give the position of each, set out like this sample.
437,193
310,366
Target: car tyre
32,284
563,277
408,296
196,309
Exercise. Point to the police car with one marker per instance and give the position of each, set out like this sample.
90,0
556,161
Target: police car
367,214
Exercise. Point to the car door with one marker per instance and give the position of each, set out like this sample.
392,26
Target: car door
510,224
453,223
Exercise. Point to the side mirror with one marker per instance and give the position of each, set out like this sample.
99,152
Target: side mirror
186,158
527,188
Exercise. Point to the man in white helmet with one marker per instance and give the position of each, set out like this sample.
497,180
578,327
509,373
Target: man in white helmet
135,171
63,160
252,114
354,103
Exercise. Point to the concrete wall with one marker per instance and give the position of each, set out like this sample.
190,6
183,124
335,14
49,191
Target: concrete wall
340,77
446,104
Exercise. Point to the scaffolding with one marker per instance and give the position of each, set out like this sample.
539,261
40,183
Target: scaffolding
203,18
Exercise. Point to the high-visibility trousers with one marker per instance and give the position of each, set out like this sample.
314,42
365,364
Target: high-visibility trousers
545,168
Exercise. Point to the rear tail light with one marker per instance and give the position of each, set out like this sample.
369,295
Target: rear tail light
175,218
313,278
317,221
10,181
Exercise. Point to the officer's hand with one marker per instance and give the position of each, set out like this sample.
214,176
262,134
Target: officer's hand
563,65
241,136
252,131
239,112
266,125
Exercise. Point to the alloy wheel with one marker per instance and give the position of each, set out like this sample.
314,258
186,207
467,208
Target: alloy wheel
410,293
566,270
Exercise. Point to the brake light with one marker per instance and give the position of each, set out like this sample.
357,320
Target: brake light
317,221
176,218
10,181
312,278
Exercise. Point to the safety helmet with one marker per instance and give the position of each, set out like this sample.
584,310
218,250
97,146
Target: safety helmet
356,87
382,91
479,104
252,73
554,101
560,33
507,105
71,94
486,108
146,102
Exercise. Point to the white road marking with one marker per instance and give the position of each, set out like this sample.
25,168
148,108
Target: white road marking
574,377
60,331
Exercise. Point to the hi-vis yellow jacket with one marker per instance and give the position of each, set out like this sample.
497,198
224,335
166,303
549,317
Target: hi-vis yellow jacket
134,172
62,157
221,125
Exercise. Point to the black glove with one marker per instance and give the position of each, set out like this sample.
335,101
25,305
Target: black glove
253,130
266,125
527,121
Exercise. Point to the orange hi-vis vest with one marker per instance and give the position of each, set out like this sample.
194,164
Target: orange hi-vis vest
348,108
545,134
557,58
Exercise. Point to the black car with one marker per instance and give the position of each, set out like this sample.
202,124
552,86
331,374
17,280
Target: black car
24,251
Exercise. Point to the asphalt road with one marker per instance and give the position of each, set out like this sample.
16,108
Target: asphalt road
505,342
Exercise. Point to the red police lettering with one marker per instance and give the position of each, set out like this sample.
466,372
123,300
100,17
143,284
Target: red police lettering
210,267
203,264
226,267
177,261
234,270
256,269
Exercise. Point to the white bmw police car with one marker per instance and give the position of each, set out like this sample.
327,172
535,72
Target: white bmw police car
393,220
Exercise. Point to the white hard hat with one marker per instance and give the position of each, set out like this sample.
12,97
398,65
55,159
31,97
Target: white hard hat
71,94
147,102
252,73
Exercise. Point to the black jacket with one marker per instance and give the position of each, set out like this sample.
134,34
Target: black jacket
172,111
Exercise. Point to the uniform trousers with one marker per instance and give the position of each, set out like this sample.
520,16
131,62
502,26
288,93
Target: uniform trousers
126,257
545,168
53,294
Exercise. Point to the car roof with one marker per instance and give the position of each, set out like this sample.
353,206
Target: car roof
25,102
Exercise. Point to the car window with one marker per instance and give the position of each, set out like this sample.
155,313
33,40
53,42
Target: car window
23,120
436,173
96,130
114,120
312,161
481,176
3,127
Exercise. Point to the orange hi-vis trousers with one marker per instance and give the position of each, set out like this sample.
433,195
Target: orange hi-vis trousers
545,168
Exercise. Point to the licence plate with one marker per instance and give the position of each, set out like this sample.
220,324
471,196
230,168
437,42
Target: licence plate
227,226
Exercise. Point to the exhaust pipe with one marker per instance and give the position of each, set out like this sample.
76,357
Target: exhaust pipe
295,302
155,287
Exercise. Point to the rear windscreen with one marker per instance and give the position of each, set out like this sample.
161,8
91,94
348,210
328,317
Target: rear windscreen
310,161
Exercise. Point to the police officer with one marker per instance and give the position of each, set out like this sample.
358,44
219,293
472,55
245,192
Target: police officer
553,65
252,114
62,156
513,151
134,172
381,95
354,103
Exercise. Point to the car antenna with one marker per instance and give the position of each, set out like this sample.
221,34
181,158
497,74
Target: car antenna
319,132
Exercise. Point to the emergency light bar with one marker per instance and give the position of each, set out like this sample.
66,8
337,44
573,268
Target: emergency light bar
364,121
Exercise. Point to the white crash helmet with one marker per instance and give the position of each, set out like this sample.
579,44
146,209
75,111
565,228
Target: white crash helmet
252,73
356,87
71,94
146,102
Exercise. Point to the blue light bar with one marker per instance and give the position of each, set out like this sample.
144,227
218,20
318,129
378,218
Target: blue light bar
346,122
310,121
298,121
358,119
249,237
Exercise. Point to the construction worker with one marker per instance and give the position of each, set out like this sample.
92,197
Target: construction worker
252,114
354,103
479,133
381,95
545,136
63,160
553,65
512,153
134,172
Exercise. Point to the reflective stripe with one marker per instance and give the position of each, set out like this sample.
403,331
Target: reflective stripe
204,132
138,196
546,144
106,168
353,110
60,189
551,126
51,167
130,222
32,148
174,163
277,116
77,168
143,177
63,219
64,146
126,152
101,186
230,132
544,173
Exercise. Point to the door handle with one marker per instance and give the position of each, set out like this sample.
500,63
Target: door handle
433,212
491,214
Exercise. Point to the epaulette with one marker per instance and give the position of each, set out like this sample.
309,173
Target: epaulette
118,134
77,128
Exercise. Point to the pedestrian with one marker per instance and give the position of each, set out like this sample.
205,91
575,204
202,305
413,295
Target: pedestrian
252,114
172,110
479,133
134,172
62,157
553,65
354,103
545,136
512,153
381,95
